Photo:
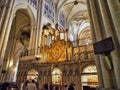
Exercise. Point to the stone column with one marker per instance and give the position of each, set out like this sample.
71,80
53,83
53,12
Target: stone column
3,10
2,19
114,6
5,17
2,75
105,73
40,22
2,3
114,54
98,29
35,37
5,31
96,36
31,38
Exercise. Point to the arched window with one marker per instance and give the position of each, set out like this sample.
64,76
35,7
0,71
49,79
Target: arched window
57,76
61,21
89,76
85,37
33,2
90,69
49,10
32,74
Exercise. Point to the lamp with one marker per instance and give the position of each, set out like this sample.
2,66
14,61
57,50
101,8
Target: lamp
37,57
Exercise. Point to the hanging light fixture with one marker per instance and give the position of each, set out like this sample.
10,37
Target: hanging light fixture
37,57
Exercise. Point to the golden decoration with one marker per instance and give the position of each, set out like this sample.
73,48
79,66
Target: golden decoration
57,51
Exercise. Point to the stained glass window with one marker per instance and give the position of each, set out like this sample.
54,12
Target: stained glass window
33,2
61,21
32,74
89,76
90,69
57,76
49,10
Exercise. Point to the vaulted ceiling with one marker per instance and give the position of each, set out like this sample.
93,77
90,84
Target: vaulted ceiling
72,9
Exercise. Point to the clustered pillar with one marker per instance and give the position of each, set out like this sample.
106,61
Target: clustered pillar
103,15
5,22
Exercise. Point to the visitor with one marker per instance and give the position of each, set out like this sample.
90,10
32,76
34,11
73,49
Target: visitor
46,86
71,86
32,85
51,86
56,87
42,87
25,85
6,86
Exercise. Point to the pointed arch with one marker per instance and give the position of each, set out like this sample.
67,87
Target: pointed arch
57,76
32,74
28,9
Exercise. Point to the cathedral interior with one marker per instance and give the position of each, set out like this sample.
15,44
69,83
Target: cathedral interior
61,41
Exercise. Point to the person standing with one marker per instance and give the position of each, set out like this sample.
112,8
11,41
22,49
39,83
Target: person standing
46,86
51,86
6,86
24,87
71,87
32,86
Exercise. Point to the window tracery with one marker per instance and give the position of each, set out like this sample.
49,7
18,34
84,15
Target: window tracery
90,69
89,76
57,76
33,2
49,10
61,21
32,74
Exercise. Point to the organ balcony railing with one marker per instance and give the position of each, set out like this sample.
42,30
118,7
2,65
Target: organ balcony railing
58,52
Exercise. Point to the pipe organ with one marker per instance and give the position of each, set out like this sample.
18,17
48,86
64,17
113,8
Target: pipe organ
54,43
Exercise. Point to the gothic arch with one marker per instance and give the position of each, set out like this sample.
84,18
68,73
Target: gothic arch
14,47
89,76
32,74
87,65
29,10
57,76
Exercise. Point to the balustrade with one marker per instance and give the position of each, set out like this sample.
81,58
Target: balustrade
77,52
28,53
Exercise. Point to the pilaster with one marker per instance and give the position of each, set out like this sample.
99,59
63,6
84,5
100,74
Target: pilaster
96,37
31,38
98,33
114,7
114,53
5,29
